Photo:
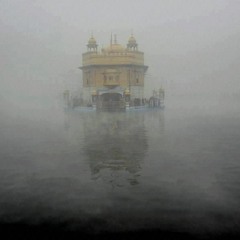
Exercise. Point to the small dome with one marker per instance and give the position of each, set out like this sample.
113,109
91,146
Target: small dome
132,43
132,40
92,44
92,40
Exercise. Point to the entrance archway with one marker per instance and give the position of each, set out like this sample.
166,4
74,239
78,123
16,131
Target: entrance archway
111,101
107,97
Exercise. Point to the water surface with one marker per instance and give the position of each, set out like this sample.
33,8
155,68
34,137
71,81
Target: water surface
175,170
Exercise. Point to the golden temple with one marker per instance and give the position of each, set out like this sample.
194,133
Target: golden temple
113,76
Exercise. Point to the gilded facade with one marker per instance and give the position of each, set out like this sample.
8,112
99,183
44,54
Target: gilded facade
116,69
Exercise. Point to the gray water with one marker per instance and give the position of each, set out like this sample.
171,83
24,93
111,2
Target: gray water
175,170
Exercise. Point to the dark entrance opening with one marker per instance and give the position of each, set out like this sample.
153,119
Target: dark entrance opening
111,102
111,97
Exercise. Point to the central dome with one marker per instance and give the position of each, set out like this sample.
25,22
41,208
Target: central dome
115,48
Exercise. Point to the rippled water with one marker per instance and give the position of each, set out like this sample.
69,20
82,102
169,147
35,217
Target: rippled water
174,170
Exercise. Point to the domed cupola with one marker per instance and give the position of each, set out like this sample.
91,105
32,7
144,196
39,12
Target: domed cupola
92,44
132,44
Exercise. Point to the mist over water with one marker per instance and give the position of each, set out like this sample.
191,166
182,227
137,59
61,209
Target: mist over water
174,170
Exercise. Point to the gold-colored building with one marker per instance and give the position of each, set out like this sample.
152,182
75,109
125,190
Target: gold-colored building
116,72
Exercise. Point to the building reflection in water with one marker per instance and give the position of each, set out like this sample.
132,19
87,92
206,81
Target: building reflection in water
115,145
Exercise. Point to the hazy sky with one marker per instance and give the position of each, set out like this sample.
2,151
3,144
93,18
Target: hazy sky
192,42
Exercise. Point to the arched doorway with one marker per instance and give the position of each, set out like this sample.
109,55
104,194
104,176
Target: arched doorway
111,101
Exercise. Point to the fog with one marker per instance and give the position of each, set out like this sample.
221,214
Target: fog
191,48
